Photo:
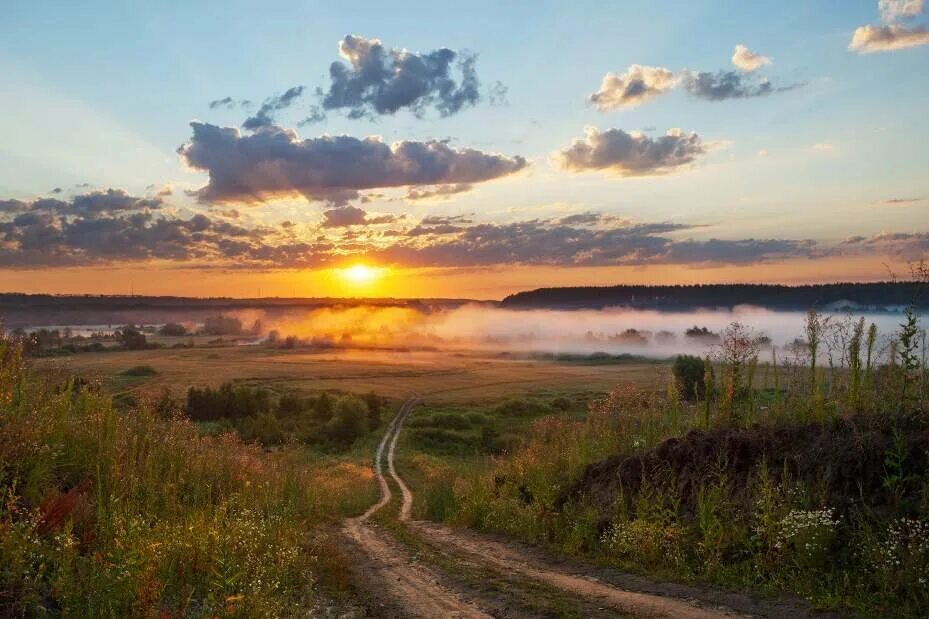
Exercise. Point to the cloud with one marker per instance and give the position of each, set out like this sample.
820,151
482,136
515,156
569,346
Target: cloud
902,201
345,216
497,94
584,219
631,154
892,35
896,10
379,80
264,117
554,243
110,226
226,102
747,60
90,205
437,193
869,39
909,246
637,85
724,85
48,232
275,162
823,148
316,115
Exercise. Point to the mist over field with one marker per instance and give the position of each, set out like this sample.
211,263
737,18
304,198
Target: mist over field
617,330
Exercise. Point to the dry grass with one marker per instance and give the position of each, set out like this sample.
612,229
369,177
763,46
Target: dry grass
443,376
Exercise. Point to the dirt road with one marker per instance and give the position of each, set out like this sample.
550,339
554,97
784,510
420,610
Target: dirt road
416,590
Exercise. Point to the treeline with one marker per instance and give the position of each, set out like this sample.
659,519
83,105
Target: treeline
256,413
774,296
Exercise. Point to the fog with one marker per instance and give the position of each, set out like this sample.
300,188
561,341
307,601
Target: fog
658,334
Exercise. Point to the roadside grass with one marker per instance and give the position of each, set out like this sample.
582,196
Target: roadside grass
784,479
133,513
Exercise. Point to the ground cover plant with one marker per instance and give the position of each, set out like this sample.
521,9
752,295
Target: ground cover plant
138,513
801,470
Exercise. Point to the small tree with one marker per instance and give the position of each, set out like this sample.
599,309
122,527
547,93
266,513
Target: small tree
349,419
854,363
688,371
708,383
815,325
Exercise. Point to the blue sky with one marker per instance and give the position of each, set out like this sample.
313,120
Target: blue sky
101,93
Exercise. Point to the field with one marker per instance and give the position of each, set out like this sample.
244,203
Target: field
798,483
436,376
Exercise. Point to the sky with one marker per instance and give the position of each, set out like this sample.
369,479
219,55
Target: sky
472,150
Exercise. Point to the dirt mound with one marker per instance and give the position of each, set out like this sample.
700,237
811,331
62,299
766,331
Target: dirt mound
844,463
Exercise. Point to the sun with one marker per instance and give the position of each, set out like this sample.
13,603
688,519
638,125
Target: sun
361,274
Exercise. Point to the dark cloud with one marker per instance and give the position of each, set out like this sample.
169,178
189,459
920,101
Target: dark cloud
441,192
353,216
497,94
50,232
264,117
553,243
275,162
584,219
724,85
108,227
316,115
900,245
91,204
902,201
741,251
379,80
439,220
631,154
226,102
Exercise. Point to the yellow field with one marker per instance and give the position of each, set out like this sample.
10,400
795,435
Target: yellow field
438,376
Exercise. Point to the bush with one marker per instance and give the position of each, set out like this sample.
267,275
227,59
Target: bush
688,371
131,338
349,420
228,401
173,329
140,370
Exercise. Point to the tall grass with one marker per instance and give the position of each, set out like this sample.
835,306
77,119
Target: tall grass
132,514
685,513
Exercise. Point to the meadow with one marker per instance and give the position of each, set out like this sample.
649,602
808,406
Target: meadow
786,477
799,470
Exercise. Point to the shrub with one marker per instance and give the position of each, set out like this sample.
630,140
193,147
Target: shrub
140,370
349,420
173,329
688,371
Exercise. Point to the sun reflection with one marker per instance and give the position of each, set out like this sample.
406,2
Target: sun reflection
361,274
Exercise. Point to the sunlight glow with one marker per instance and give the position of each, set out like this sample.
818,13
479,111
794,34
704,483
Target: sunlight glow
361,274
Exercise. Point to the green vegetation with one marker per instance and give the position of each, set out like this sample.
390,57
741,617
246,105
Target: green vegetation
105,513
786,476
140,370
256,413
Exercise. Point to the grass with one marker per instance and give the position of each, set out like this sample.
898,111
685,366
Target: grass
444,377
109,513
786,480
